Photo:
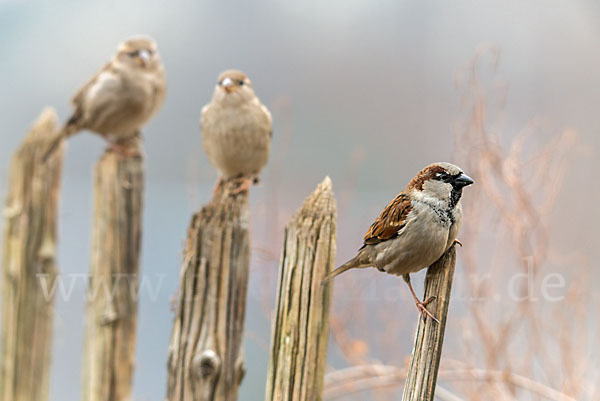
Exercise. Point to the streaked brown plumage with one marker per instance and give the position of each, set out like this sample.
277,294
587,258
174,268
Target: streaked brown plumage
121,97
390,221
416,228
236,129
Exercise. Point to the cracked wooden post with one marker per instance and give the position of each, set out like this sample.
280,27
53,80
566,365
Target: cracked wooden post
28,258
427,351
206,361
111,310
301,323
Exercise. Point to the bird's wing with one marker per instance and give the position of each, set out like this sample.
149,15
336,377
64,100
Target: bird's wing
95,89
81,93
267,114
391,220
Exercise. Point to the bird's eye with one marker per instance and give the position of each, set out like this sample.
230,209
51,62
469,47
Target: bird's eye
241,83
220,83
132,54
443,176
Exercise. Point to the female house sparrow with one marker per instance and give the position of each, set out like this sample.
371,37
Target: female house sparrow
236,129
416,228
121,97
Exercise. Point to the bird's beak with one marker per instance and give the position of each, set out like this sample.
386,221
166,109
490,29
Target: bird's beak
463,180
227,84
144,56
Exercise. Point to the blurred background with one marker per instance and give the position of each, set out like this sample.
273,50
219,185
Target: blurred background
367,92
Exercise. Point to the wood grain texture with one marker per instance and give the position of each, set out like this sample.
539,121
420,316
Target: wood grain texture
206,360
427,351
28,258
111,310
301,323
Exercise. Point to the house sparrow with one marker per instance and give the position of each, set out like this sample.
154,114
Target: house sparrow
236,130
416,228
121,97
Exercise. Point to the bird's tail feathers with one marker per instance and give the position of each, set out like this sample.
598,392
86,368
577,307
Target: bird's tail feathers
64,133
357,262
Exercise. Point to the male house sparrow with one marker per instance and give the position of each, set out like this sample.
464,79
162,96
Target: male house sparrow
236,130
121,97
416,228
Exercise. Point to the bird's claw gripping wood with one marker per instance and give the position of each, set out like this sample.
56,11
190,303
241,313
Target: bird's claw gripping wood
217,186
124,150
245,184
422,307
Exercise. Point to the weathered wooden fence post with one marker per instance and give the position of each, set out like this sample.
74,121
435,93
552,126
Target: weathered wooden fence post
28,258
111,312
301,322
427,352
206,361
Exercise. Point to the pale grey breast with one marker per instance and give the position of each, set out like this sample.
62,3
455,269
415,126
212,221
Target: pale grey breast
420,243
236,139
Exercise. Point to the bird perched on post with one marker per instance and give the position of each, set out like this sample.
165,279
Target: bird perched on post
120,98
236,130
416,228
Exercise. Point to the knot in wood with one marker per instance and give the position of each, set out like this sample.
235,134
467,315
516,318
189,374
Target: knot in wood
47,250
12,211
109,316
206,364
240,368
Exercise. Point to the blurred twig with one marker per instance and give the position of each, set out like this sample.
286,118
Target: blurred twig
361,378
